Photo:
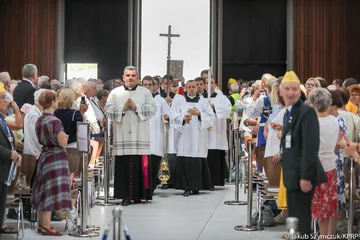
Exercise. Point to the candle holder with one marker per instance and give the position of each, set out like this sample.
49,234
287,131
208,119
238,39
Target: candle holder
188,119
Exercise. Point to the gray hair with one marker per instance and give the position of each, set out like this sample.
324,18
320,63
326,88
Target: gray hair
234,87
76,84
42,79
131,68
4,77
99,87
29,70
88,86
55,86
320,98
37,94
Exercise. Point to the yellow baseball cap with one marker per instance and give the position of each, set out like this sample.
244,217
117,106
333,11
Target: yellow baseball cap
2,87
231,81
290,77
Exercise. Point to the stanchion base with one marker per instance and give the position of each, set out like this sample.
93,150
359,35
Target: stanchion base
235,203
247,228
103,204
83,234
92,228
110,202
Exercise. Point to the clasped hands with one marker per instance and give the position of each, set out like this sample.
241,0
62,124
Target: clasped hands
194,111
130,104
191,111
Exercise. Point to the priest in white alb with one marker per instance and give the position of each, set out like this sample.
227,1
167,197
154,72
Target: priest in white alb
156,129
191,115
130,107
217,138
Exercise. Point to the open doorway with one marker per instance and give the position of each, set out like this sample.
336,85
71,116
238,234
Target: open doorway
192,47
84,70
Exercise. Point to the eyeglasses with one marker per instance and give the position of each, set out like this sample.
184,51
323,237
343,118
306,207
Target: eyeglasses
3,97
355,94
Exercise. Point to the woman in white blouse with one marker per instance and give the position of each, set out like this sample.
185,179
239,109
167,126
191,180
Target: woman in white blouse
325,202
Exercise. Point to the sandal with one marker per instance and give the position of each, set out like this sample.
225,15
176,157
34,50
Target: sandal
9,230
49,231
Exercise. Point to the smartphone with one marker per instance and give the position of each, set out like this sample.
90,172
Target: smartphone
83,101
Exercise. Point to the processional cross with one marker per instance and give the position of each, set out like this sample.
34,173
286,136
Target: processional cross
169,35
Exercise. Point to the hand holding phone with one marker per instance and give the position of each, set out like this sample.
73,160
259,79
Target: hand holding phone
83,100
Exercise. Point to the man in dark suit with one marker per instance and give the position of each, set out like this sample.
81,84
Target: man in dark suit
7,153
299,147
24,92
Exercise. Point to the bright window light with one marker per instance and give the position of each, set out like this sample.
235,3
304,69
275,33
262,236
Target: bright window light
84,70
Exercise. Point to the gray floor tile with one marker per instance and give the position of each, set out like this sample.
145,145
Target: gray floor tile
170,216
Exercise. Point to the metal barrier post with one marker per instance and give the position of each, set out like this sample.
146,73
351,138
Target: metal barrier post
237,171
351,198
291,226
230,151
248,226
106,165
117,222
83,229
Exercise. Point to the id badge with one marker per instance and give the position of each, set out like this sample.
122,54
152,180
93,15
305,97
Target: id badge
11,142
288,140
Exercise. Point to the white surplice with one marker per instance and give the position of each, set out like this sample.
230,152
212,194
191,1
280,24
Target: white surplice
191,138
157,126
131,134
217,135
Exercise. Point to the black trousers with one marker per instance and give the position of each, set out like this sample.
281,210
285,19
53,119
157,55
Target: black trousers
299,206
3,198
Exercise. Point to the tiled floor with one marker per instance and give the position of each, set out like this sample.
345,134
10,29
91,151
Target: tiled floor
170,216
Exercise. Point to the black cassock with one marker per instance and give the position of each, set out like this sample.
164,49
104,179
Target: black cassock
129,180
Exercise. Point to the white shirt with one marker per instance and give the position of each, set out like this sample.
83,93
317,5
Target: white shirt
89,115
273,142
31,142
95,104
329,134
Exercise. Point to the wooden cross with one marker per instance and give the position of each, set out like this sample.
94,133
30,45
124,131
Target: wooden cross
169,35
130,132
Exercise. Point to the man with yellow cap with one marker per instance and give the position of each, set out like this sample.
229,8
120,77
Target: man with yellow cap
231,81
8,154
299,147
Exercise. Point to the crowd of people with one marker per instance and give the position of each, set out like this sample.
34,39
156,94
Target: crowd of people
300,144
304,135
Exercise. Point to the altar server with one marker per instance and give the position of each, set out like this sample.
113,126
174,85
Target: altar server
217,136
191,115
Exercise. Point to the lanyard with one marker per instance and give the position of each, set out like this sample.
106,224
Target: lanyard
7,131
98,107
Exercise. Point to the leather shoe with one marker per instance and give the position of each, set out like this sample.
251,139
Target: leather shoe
137,201
196,192
212,188
125,202
186,193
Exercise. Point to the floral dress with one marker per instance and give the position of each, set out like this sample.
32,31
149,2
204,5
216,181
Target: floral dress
340,184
